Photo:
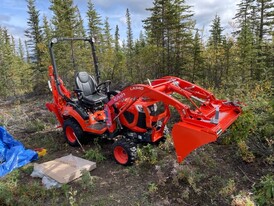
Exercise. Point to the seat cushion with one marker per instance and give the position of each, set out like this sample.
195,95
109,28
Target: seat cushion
96,98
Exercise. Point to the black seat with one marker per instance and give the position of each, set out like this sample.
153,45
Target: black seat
89,94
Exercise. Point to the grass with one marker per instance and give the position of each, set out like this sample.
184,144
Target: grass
35,126
12,187
94,155
33,193
147,154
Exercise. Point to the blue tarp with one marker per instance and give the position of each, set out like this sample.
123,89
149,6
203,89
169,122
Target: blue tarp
13,153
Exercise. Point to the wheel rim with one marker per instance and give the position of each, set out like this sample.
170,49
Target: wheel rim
120,155
70,134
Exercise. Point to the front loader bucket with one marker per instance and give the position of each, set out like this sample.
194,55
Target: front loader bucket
191,134
187,137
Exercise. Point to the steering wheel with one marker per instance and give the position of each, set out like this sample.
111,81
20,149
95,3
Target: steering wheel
103,86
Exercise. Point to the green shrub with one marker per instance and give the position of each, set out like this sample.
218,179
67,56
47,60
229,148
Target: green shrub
264,191
94,155
241,129
147,154
254,127
188,175
245,152
242,199
229,188
87,181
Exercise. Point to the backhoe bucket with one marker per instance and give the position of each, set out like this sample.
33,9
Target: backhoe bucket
191,134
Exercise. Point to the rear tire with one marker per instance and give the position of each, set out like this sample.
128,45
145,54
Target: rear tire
72,132
124,152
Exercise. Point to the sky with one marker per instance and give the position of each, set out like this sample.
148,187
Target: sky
13,13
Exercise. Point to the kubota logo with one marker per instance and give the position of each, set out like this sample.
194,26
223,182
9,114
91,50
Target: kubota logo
119,96
136,88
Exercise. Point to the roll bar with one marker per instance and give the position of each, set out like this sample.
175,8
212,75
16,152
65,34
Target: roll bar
53,62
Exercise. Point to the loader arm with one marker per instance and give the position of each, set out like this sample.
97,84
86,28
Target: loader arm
203,118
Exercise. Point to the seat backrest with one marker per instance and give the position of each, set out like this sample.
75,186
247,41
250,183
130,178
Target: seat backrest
86,83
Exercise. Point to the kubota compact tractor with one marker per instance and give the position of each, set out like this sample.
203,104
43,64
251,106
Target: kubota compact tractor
139,113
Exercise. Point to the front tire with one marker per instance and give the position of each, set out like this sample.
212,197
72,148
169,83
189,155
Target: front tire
72,132
124,152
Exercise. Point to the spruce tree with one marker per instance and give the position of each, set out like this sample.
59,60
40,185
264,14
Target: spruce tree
106,34
265,10
197,72
33,32
64,17
21,50
247,52
215,52
34,40
79,27
94,23
117,38
95,28
4,65
247,39
129,32
170,28
107,57
244,13
118,72
27,51
65,24
47,35
216,30
142,39
265,18
228,44
15,72
129,45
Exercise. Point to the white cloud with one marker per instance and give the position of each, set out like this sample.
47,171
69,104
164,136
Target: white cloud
135,6
13,13
206,10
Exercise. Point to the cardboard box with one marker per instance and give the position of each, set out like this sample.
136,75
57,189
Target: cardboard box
65,169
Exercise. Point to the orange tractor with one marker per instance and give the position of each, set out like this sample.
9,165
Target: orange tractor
139,113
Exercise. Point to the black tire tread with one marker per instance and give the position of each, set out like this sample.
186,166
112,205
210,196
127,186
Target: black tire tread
77,130
129,147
